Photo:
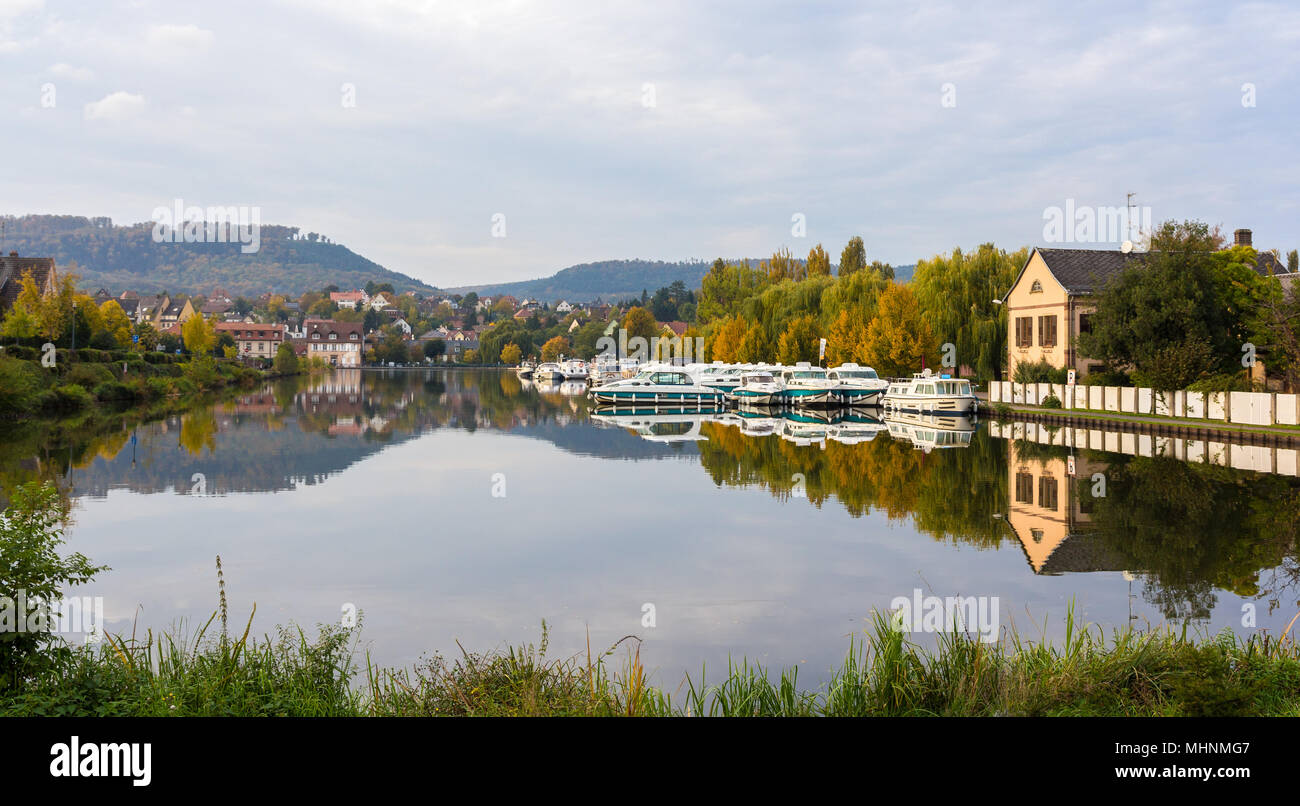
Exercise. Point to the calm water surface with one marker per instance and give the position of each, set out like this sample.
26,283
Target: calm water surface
454,504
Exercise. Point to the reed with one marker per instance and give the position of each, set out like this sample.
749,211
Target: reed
1127,672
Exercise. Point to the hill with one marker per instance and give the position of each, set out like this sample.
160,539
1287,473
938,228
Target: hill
612,280
120,258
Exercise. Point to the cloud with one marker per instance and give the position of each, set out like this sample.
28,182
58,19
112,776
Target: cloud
179,37
115,106
62,70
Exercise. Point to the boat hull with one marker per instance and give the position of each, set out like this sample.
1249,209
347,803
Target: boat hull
642,398
932,405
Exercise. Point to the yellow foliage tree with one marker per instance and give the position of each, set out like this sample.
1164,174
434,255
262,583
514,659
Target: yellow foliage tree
116,322
197,335
845,337
556,347
724,344
800,341
510,354
898,340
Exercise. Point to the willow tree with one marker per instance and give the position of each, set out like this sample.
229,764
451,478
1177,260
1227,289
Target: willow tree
725,287
800,341
854,257
819,263
956,293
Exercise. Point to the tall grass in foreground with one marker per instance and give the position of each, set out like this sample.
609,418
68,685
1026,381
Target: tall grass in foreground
1129,672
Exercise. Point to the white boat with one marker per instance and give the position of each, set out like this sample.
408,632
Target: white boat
574,369
806,385
758,388
718,375
548,371
857,386
657,386
931,394
603,369
525,370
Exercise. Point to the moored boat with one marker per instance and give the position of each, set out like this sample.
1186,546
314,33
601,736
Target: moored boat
806,385
758,388
931,394
656,386
857,386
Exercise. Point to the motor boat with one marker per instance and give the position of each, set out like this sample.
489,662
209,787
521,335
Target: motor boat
758,388
931,394
657,385
857,386
806,385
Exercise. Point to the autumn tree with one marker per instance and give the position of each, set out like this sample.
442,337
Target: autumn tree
755,347
845,338
819,263
197,335
898,342
511,354
640,322
557,346
723,343
116,322
800,341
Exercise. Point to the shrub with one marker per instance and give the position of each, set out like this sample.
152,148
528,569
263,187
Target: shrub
115,390
88,375
1106,378
1227,382
1051,402
72,397
1039,372
20,386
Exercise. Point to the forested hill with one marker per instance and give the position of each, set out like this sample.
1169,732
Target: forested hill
120,258
608,279
613,280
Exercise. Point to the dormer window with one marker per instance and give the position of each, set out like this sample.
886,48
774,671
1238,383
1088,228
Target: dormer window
333,336
315,336
1036,288
352,336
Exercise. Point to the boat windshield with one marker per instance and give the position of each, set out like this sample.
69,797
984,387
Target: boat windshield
758,379
808,373
858,373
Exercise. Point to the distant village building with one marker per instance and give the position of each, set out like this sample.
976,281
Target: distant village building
260,341
338,343
349,299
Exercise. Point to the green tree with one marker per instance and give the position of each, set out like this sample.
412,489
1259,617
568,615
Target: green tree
640,322
800,341
31,531
854,257
197,335
286,360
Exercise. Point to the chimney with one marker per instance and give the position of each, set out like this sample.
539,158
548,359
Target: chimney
13,254
1241,237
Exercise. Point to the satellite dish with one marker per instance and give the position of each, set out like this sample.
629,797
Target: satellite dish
1126,247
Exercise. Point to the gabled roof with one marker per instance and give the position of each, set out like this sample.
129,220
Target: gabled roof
1085,271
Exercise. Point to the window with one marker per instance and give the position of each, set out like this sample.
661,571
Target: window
1036,288
1047,493
1085,323
1024,331
1047,331
315,335
1024,488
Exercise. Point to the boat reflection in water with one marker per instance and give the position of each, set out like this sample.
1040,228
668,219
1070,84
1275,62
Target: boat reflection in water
661,423
930,431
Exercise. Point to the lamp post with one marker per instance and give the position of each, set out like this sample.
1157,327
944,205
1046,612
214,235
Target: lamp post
74,326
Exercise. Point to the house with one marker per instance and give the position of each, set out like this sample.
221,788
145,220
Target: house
217,307
128,306
350,299
259,341
1049,304
340,344
14,268
675,328
402,325
381,301
174,313
563,306
148,307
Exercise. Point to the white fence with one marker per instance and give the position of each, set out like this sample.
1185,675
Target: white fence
1244,408
1260,458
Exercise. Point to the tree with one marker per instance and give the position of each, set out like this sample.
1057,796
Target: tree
148,336
723,343
639,322
782,266
197,335
116,322
286,360
898,340
434,348
31,530
756,346
1163,315
800,341
1293,261
557,346
725,287
24,319
819,263
845,338
854,257
511,354
956,293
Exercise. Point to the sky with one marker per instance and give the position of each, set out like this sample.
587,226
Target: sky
478,142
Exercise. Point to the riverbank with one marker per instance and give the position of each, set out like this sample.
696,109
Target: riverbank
68,382
1204,428
1155,673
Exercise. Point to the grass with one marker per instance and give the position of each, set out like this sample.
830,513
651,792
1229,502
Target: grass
1161,672
1004,411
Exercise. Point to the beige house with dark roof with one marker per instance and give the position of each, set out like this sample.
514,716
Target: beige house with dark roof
1051,299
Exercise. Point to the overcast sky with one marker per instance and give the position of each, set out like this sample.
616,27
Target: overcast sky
656,130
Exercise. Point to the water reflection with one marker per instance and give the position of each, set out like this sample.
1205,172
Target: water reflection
761,532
